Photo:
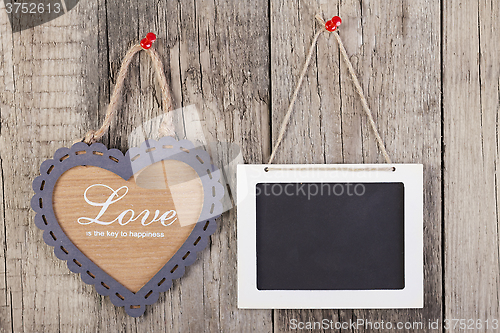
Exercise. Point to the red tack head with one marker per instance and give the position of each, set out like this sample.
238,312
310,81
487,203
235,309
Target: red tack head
151,37
333,24
337,20
146,43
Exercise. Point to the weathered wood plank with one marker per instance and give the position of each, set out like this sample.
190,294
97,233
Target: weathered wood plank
223,62
6,85
471,76
394,47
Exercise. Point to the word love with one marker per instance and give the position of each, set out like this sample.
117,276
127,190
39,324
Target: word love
165,219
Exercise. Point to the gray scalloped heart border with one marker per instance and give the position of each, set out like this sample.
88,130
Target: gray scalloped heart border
150,151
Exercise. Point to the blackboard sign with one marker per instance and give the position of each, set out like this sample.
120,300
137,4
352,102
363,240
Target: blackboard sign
330,236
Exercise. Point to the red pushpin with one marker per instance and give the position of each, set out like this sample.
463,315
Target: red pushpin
333,24
148,41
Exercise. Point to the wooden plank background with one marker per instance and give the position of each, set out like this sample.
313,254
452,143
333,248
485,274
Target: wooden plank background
431,73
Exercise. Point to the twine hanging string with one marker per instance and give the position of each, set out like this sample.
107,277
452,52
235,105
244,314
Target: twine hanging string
165,130
359,90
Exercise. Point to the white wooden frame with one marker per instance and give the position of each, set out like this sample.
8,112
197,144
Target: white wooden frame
411,296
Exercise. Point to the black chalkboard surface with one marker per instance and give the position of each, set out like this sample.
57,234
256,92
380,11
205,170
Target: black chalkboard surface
330,236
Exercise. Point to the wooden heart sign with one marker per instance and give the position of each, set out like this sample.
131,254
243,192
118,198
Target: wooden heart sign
129,224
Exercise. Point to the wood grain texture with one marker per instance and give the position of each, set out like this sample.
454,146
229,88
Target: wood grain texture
471,86
430,71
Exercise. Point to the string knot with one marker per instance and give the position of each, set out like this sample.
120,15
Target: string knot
90,137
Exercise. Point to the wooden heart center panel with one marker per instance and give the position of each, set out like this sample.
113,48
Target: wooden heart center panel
130,229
